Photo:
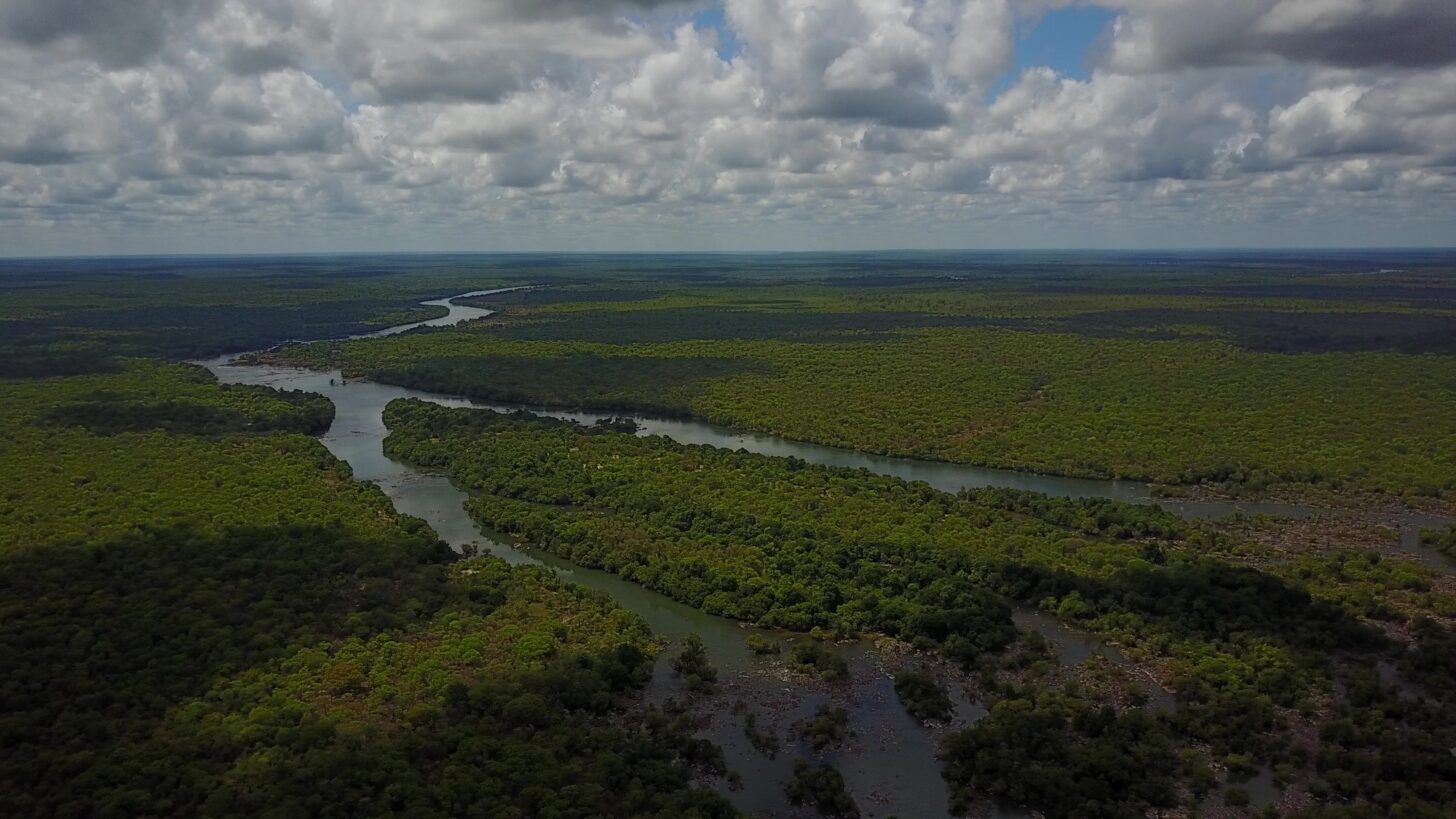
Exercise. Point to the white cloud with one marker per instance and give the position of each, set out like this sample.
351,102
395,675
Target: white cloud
982,46
1162,34
869,121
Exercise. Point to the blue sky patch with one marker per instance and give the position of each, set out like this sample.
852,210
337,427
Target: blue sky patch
712,17
1061,39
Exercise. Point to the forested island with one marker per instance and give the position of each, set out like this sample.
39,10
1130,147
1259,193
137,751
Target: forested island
1185,382
203,612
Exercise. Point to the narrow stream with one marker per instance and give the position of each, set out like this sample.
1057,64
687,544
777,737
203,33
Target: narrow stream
890,764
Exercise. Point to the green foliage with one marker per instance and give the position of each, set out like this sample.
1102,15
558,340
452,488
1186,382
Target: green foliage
117,631
829,726
765,742
55,361
1236,797
1243,642
661,385
1442,540
814,657
449,717
760,539
1384,753
90,458
1430,659
1064,757
56,319
627,425
759,644
105,414
922,696
1360,581
782,543
1092,516
691,663
201,615
986,376
823,787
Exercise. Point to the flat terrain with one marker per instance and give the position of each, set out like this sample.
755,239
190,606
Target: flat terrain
203,612
1323,388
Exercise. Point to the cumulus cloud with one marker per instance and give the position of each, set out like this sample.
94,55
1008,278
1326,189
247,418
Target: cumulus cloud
282,112
481,121
853,60
982,47
116,34
1162,34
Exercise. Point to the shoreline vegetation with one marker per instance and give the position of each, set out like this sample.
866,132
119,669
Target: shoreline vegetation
726,532
1323,495
1362,504
719,363
205,613
202,613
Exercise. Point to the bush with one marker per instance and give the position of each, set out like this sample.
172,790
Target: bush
817,658
823,787
922,696
759,644
765,742
829,726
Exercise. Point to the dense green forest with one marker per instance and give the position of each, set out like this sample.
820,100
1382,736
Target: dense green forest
1066,757
201,613
91,457
796,556
1244,391
781,543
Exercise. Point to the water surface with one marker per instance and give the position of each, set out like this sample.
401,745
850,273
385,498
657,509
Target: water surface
890,765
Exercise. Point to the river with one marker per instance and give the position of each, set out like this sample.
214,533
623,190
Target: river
890,764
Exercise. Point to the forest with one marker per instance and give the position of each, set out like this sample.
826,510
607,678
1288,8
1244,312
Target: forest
1246,392
1066,757
92,457
201,613
784,544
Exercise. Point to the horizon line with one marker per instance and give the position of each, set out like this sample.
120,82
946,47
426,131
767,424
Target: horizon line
761,252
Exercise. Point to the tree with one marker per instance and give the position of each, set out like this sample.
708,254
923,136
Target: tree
691,663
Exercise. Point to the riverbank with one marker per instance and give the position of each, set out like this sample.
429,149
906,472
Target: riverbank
909,773
903,770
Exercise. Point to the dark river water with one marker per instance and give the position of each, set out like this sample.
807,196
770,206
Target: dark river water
890,763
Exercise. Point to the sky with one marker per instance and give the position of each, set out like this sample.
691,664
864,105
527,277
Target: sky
232,126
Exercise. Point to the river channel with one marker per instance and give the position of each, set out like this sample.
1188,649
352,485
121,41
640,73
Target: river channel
890,763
